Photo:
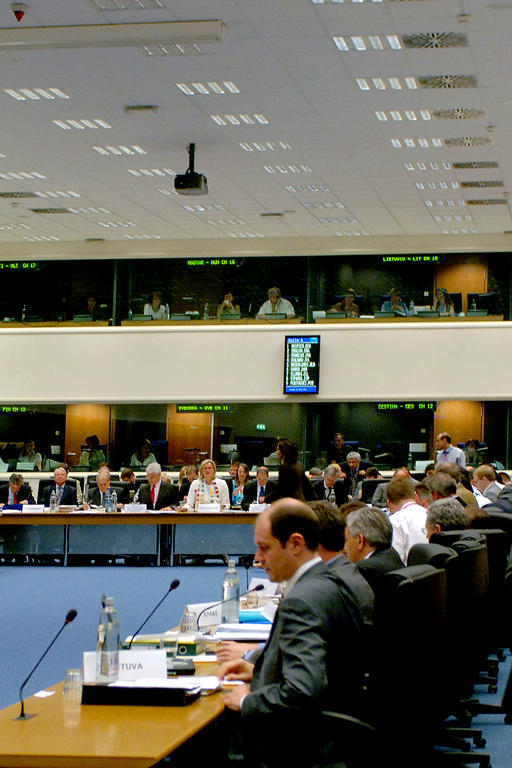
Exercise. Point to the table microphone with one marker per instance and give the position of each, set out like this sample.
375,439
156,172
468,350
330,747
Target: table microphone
174,585
257,588
70,616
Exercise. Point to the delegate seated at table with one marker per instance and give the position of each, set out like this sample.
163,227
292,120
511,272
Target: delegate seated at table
16,491
208,489
347,304
443,303
65,492
93,456
155,494
227,305
143,456
155,308
395,304
276,305
29,454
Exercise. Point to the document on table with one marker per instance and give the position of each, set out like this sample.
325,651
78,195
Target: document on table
257,633
207,683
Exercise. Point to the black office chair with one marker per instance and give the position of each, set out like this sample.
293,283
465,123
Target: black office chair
368,488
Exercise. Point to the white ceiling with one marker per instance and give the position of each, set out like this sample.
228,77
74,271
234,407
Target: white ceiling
346,187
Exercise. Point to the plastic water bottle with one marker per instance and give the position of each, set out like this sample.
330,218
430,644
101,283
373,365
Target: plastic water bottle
107,500
53,501
230,591
107,647
130,314
114,501
412,309
206,312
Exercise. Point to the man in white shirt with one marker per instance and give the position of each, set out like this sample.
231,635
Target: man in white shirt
408,518
276,305
448,452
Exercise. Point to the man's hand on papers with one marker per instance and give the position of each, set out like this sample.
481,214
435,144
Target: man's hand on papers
239,669
234,699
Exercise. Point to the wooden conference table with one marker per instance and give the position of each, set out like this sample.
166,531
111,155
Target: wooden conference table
67,735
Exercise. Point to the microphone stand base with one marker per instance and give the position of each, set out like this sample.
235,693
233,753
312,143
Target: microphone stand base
25,717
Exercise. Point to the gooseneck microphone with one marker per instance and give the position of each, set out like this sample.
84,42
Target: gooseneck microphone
174,585
70,616
257,588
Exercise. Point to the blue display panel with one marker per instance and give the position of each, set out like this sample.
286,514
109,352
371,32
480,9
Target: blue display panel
301,365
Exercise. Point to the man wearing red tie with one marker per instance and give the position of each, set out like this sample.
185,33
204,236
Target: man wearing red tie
155,494
15,492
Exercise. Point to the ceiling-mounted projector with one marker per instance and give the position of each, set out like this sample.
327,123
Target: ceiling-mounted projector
190,182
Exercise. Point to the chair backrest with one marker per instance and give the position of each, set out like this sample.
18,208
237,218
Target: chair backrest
497,519
431,554
368,487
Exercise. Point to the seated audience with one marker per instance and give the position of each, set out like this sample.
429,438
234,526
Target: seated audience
207,489
93,308
128,476
443,303
504,478
395,304
276,305
92,456
16,491
484,478
315,473
257,490
407,516
368,534
227,306
231,479
155,494
380,496
143,456
445,515
155,308
29,454
372,473
465,496
65,492
330,487
347,304
188,473
96,496
300,670
330,549
430,469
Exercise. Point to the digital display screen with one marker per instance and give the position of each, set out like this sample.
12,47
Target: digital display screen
430,406
12,265
201,408
211,262
414,259
301,365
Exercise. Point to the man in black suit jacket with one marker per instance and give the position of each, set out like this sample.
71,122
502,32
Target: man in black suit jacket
16,492
368,535
257,489
303,667
330,487
66,492
354,470
155,494
96,496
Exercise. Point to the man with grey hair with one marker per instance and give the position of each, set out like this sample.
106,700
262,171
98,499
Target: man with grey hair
96,496
368,535
330,487
445,515
276,304
379,498
354,470
155,494
16,491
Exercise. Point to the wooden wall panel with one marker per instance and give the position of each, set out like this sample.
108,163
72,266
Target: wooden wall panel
83,420
187,430
461,418
469,275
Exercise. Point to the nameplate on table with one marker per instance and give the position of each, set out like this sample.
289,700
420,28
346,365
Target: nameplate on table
211,615
135,509
257,508
209,508
32,509
133,665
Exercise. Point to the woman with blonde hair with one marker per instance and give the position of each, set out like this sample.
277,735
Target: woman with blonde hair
207,489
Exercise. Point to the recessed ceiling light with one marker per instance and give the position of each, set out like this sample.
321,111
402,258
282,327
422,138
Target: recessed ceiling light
365,43
171,49
21,175
142,237
223,87
288,169
81,124
58,193
307,188
22,94
120,150
151,171
382,84
115,224
90,210
323,204
272,146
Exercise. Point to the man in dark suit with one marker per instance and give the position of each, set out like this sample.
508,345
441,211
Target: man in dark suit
368,535
354,470
66,492
15,491
311,660
257,489
330,487
96,496
155,494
